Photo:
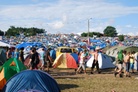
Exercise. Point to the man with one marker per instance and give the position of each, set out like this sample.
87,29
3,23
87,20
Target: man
34,59
120,60
48,59
95,61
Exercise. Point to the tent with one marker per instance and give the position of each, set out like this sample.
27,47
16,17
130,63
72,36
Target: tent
31,80
2,57
76,57
65,60
112,52
2,44
131,49
104,61
8,69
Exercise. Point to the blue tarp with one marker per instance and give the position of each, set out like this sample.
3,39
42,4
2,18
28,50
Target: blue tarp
31,80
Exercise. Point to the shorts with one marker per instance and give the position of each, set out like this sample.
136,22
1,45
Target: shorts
120,66
42,61
131,65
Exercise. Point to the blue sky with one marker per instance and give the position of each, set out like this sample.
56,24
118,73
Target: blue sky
70,16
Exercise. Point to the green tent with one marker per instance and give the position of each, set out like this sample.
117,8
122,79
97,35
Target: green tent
2,56
10,68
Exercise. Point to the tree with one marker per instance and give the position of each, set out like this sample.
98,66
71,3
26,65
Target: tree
13,31
1,33
110,31
121,37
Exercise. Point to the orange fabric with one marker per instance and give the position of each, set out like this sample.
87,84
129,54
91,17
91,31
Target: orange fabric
2,79
2,83
71,63
2,74
13,64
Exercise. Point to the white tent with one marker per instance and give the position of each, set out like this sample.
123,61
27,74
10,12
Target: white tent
2,44
104,61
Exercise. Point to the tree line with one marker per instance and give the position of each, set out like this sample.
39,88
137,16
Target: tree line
109,31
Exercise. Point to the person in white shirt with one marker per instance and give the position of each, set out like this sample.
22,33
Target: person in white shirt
82,62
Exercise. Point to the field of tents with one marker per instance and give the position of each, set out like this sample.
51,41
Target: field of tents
15,77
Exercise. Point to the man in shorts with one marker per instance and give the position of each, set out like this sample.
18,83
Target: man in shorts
119,65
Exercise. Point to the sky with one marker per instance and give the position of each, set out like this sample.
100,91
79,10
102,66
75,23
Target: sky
71,16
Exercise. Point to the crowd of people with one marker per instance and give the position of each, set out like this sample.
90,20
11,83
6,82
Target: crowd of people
124,60
125,63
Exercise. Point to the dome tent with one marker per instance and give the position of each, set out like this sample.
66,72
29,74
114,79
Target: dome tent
31,80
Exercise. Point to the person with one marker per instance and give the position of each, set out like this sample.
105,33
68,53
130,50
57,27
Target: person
21,55
132,60
48,59
42,54
119,65
34,59
8,53
127,64
95,61
16,54
82,62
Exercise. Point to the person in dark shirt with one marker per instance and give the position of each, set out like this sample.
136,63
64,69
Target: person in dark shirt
34,59
21,55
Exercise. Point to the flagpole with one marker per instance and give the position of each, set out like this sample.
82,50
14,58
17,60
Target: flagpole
89,31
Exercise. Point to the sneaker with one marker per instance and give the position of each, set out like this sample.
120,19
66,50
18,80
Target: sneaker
121,76
99,72
91,72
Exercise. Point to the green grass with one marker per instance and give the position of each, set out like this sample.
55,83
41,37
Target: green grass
104,82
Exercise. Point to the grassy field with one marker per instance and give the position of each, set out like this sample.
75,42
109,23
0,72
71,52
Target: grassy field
105,82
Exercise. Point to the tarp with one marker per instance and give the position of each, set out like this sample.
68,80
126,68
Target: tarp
65,60
103,60
31,80
10,68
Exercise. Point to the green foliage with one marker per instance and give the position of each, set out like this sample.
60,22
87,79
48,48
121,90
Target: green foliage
110,31
91,34
121,37
13,31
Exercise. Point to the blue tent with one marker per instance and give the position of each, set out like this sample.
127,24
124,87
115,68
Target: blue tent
23,45
53,54
31,80
75,56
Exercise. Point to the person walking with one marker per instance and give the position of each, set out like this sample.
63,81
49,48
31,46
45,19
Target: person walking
95,61
82,62
48,59
42,54
34,59
21,55
119,65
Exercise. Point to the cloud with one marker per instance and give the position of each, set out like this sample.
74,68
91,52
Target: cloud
64,15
